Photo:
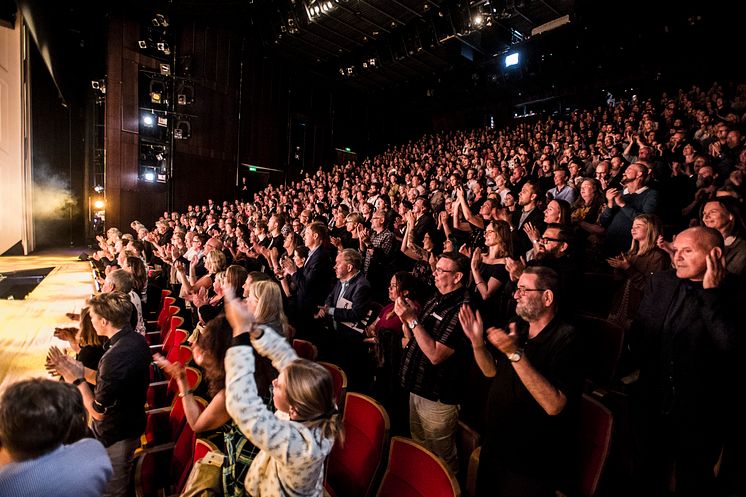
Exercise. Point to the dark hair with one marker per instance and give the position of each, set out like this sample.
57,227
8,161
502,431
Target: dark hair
116,307
407,283
139,274
214,340
462,263
258,276
302,251
546,278
38,415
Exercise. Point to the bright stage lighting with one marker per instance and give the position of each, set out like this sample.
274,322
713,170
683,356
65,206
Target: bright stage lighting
511,60
149,177
99,204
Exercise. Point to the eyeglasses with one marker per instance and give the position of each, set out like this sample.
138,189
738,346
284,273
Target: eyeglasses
522,291
549,239
441,270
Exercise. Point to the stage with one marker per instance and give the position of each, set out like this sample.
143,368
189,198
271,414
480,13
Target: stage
26,326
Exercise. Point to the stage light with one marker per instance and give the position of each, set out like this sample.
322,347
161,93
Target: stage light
149,177
98,189
99,203
511,59
165,69
157,89
142,44
182,129
148,120
477,20
162,121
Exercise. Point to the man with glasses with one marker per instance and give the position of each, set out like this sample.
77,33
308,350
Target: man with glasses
536,380
436,358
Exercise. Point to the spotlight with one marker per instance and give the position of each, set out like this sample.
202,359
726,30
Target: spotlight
149,177
478,20
98,189
511,59
182,130
165,69
160,20
157,89
142,44
148,120
99,204
162,121
95,85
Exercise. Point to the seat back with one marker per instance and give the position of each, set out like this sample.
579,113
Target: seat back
467,439
175,337
173,310
165,310
354,465
414,471
595,427
181,354
596,293
305,349
339,381
602,341
202,447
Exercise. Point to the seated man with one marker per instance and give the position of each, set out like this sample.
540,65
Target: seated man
42,449
345,306
536,379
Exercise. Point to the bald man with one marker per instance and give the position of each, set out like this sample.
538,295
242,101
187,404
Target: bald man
687,326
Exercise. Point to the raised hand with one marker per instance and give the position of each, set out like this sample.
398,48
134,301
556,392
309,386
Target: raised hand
174,370
67,334
472,325
532,231
239,316
507,343
476,258
715,272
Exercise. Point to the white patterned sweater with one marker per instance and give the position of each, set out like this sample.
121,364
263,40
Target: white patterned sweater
291,461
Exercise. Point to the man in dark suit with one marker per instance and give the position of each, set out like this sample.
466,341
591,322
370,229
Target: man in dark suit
313,281
528,197
345,307
687,327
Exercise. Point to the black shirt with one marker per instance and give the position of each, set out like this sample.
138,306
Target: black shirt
518,431
444,382
121,386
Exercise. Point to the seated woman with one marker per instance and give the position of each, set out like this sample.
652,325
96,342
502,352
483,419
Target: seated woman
296,440
85,342
386,334
722,214
214,263
585,216
209,303
636,265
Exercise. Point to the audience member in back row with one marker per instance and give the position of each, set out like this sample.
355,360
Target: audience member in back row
116,406
668,156
43,449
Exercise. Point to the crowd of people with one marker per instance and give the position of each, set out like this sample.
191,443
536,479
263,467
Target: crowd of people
459,253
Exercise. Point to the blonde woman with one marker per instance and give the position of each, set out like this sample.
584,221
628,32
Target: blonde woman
296,440
636,265
84,341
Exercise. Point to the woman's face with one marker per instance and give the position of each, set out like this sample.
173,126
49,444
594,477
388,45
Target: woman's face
716,216
427,242
639,230
586,191
509,201
393,289
552,212
279,393
252,301
298,260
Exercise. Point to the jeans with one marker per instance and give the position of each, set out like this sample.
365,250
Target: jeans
120,454
434,425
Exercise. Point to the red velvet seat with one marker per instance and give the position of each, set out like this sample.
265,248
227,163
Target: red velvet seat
595,427
164,424
413,471
162,393
603,342
202,447
305,349
339,381
354,465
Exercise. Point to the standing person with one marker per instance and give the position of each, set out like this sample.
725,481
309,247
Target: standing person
116,406
687,332
378,248
536,382
295,441
433,367
84,341
642,260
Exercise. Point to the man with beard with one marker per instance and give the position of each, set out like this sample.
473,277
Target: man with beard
624,206
536,384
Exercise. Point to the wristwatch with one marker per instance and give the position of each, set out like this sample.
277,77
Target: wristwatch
412,324
515,356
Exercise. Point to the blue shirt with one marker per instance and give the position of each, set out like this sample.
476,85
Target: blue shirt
81,469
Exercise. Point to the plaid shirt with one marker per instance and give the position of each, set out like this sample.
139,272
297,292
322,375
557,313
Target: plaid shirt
381,249
443,382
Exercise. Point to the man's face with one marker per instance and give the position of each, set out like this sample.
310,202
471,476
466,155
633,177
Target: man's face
446,277
631,174
690,257
97,322
525,196
529,298
377,221
560,178
341,267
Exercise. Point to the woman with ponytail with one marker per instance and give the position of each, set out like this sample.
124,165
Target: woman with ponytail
297,438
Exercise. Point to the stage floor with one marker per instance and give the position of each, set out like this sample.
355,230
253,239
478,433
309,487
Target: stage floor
27,326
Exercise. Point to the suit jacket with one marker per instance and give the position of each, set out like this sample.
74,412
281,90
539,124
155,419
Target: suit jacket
521,243
358,292
425,224
313,282
688,340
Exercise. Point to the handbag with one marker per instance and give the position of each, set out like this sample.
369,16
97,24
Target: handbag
206,477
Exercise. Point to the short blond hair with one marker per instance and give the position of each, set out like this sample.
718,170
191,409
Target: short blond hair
116,307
